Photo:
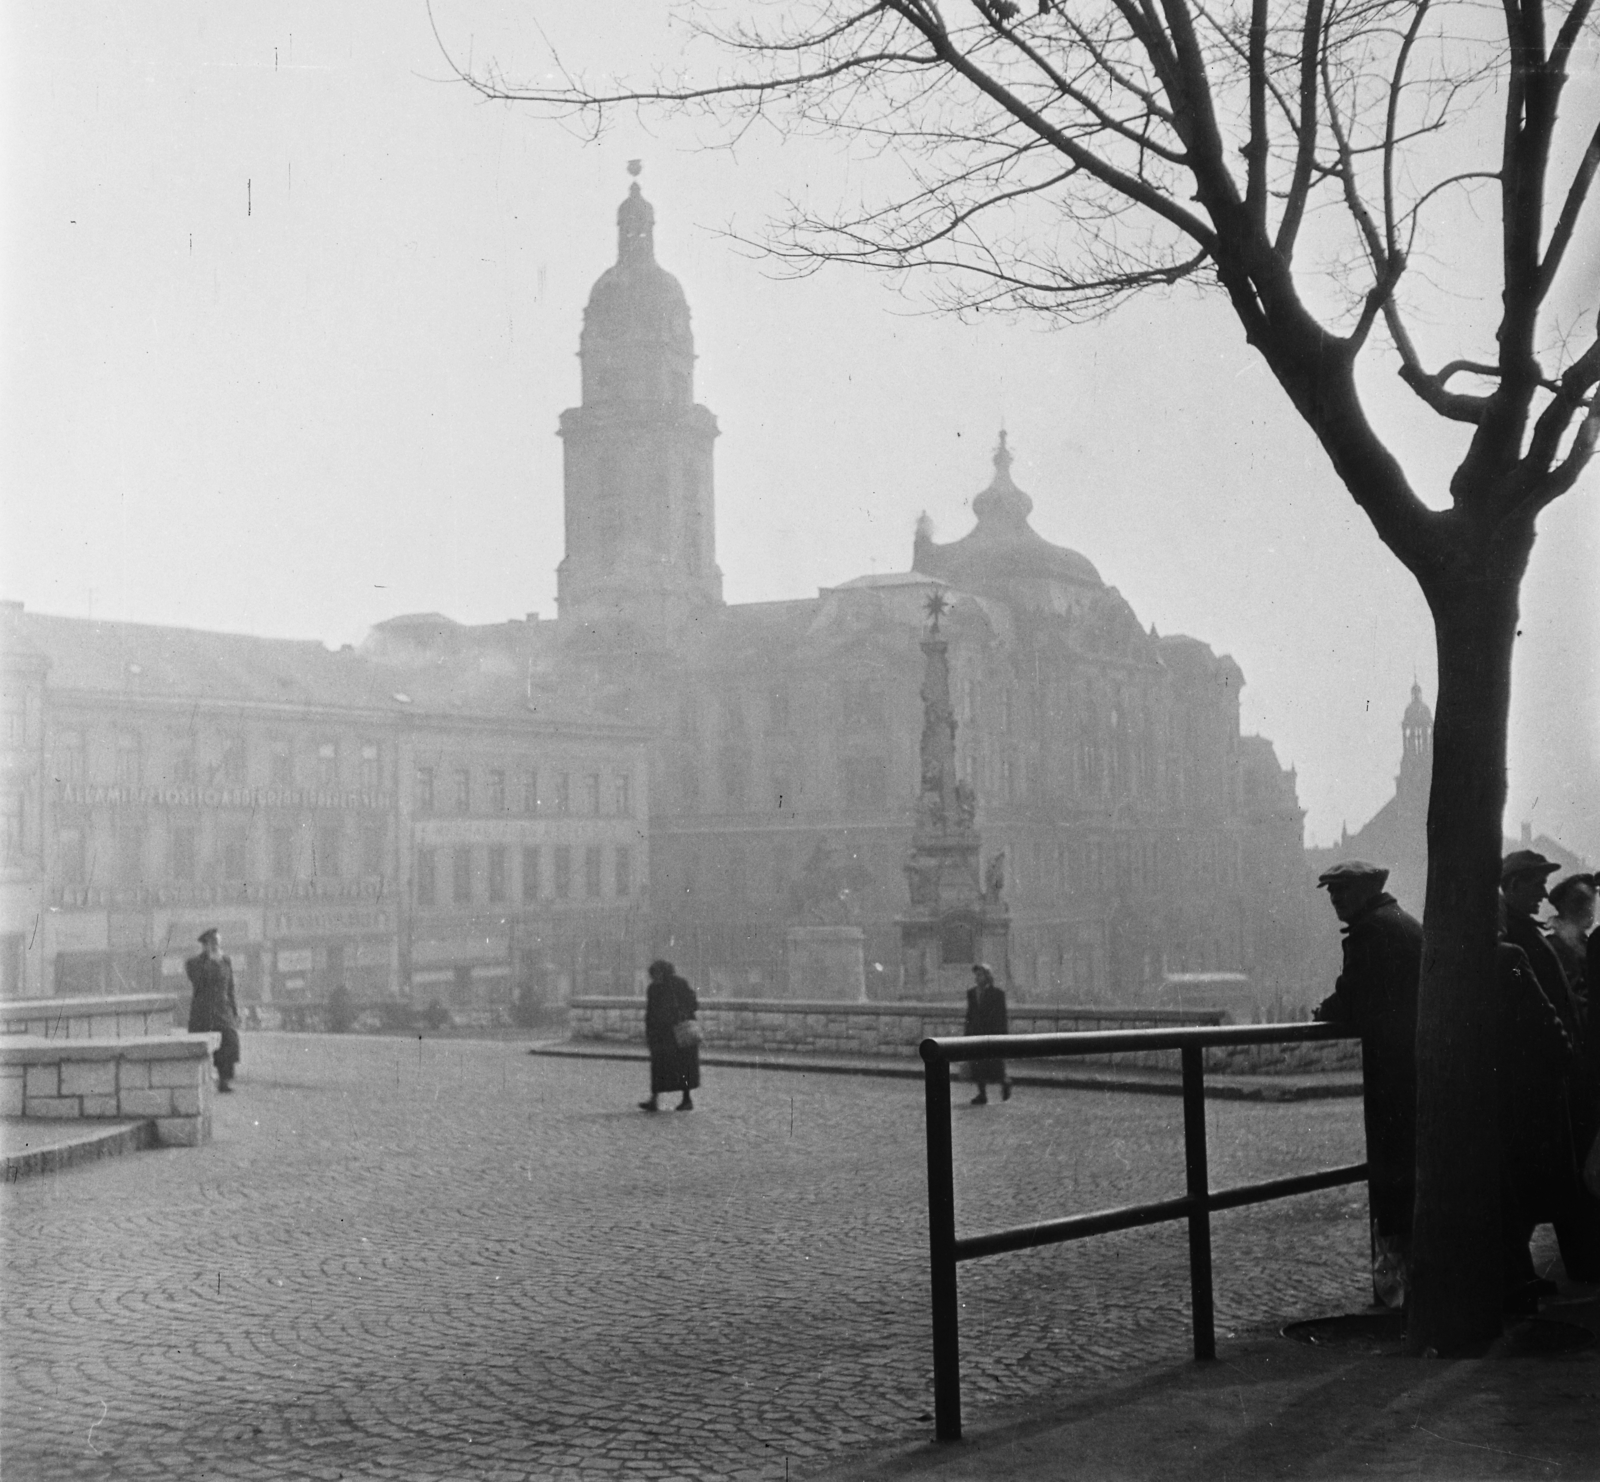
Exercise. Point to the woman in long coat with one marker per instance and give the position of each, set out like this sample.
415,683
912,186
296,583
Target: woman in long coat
986,1014
669,1004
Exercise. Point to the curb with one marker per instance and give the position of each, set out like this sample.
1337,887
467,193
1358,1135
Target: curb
1261,1089
108,1142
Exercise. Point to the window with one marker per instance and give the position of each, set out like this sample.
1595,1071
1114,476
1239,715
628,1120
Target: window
622,794
461,874
328,764
862,703
283,853
69,757
235,852
130,854
235,761
424,789
865,782
563,871
689,785
497,791
563,792
181,865
329,847
735,780
182,769
591,871
371,774
591,794
530,791
372,849
12,831
130,759
530,874
624,872
497,872
427,880
463,798
282,766
74,864
14,721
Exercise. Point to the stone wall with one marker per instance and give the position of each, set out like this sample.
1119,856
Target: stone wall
867,1029
113,1016
166,1079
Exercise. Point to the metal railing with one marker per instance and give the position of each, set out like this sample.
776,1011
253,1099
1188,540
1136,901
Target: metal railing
946,1250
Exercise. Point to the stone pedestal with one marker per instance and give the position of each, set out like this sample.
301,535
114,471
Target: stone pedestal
826,962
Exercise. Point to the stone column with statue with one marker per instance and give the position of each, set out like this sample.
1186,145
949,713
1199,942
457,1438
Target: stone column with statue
957,913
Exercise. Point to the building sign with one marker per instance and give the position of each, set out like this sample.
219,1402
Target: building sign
330,921
219,797
300,960
426,953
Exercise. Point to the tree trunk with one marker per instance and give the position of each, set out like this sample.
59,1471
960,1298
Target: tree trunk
1456,1244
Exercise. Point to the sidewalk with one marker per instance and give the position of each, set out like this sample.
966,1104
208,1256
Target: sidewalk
1062,1074
1271,1407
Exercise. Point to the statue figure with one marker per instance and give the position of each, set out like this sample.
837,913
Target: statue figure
994,878
966,806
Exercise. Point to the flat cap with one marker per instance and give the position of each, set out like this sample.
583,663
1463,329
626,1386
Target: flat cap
1350,870
209,934
1526,862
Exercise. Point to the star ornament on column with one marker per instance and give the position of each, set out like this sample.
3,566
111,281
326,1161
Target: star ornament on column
936,606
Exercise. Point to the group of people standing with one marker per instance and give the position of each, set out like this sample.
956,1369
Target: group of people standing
1549,1066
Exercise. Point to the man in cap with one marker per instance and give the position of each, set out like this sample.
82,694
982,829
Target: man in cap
1376,997
1567,1204
1523,873
214,1009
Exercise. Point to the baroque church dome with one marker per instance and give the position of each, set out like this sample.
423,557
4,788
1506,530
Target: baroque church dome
637,344
1002,546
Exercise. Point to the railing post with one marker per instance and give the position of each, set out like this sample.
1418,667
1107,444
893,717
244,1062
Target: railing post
1199,1189
942,1248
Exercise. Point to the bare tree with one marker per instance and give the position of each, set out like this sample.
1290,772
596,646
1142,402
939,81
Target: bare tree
1288,153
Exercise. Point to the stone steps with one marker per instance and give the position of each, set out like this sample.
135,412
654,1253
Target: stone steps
35,1145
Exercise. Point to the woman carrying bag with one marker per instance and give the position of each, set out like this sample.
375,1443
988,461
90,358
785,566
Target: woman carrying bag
673,1035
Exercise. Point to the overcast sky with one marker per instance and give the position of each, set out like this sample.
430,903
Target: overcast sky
289,318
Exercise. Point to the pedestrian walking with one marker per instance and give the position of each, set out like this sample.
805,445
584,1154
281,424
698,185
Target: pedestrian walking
673,1034
214,1009
1376,997
986,1014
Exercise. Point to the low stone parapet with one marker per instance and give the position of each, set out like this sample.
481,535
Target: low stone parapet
166,1079
871,1029
110,1016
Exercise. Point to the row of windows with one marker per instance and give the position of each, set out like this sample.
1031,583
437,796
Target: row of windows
467,874
324,851
457,790
326,764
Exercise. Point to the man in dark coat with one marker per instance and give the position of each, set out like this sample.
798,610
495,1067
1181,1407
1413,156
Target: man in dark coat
986,1014
670,1005
214,1009
1533,1058
1567,1205
1376,996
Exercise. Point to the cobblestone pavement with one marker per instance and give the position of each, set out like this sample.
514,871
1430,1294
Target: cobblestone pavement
448,1259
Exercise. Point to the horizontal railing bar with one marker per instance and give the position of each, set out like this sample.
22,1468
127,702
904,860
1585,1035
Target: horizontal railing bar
1284,1188
1111,1041
1133,1216
1074,1227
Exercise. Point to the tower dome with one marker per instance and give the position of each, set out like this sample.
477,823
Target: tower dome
638,477
636,343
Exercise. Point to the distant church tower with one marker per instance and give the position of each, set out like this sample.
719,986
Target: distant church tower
1416,749
640,539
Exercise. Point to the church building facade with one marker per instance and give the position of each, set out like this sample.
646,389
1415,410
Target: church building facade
1142,834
